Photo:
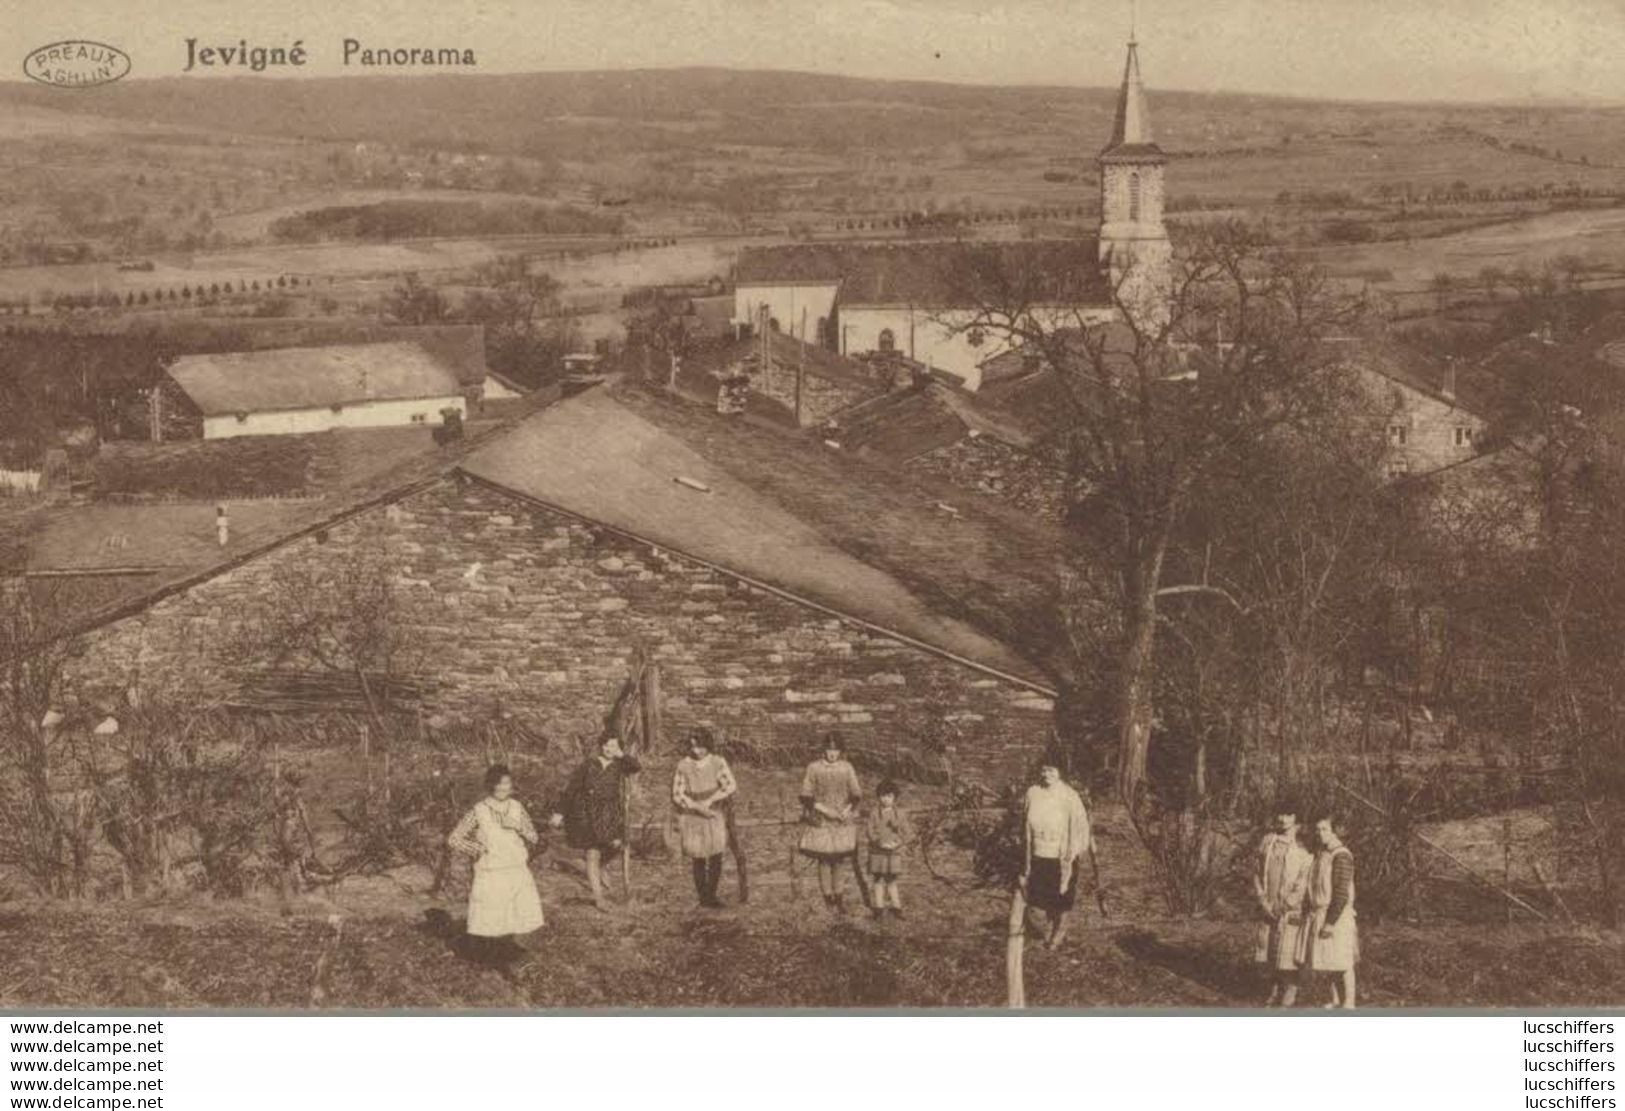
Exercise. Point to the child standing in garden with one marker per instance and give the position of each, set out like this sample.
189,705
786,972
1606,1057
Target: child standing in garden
888,832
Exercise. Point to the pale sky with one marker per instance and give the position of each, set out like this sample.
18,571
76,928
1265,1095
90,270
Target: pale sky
1362,49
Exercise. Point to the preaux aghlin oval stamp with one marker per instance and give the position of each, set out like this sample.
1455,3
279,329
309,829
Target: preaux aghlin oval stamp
76,64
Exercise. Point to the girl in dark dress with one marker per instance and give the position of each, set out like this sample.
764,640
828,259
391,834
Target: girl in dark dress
592,813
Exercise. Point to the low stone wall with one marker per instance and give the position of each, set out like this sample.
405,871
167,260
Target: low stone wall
821,397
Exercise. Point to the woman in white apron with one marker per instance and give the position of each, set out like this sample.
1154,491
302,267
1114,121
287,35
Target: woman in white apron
497,832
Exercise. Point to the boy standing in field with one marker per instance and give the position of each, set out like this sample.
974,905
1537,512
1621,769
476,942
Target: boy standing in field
887,832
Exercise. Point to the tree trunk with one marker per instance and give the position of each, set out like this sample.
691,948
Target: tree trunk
1135,707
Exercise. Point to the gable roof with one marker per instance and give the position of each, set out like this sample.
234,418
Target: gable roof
146,552
901,426
936,274
795,518
1409,368
460,347
287,378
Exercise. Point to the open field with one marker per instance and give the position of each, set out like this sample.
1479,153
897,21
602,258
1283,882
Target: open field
596,266
719,150
1596,237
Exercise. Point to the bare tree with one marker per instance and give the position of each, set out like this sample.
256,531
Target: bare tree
343,614
44,839
413,302
1159,402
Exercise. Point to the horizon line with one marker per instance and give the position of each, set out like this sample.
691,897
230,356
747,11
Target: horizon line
1153,90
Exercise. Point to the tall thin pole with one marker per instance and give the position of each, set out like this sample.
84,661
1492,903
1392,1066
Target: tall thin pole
801,366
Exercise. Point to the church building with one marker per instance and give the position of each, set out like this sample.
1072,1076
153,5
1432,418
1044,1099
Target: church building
913,299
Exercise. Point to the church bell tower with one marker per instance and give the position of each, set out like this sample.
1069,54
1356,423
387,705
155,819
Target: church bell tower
1133,240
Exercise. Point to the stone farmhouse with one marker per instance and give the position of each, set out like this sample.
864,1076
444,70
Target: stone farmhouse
1427,424
784,588
914,299
295,390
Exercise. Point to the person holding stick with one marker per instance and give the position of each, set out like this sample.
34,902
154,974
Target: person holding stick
1329,943
592,813
503,903
1280,881
830,794
1055,836
700,788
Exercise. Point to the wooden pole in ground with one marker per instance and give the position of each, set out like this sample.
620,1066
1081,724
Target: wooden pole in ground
1014,975
1506,861
630,721
795,872
651,742
864,893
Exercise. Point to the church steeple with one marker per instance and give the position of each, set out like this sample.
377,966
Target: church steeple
1133,239
1132,127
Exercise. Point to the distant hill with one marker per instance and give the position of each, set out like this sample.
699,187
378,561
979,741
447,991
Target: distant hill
144,166
543,114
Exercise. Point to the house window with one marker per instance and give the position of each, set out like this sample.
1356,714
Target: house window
1399,468
976,337
888,340
1397,434
773,323
1464,436
1134,197
419,418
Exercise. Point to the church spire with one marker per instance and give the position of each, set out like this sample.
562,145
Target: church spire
1132,127
1133,238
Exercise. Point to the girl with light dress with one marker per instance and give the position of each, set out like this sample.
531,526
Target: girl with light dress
503,903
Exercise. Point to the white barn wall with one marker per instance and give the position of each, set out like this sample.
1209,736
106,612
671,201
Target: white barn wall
921,335
363,414
938,337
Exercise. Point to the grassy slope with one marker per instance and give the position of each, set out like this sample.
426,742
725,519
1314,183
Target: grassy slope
399,946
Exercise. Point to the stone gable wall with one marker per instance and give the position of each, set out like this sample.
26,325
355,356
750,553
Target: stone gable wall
517,610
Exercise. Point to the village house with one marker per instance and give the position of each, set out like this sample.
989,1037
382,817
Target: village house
919,299
752,567
293,390
1426,425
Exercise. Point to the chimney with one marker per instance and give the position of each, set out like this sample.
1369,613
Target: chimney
222,525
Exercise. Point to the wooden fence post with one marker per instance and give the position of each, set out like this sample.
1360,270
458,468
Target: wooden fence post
1506,861
1014,975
